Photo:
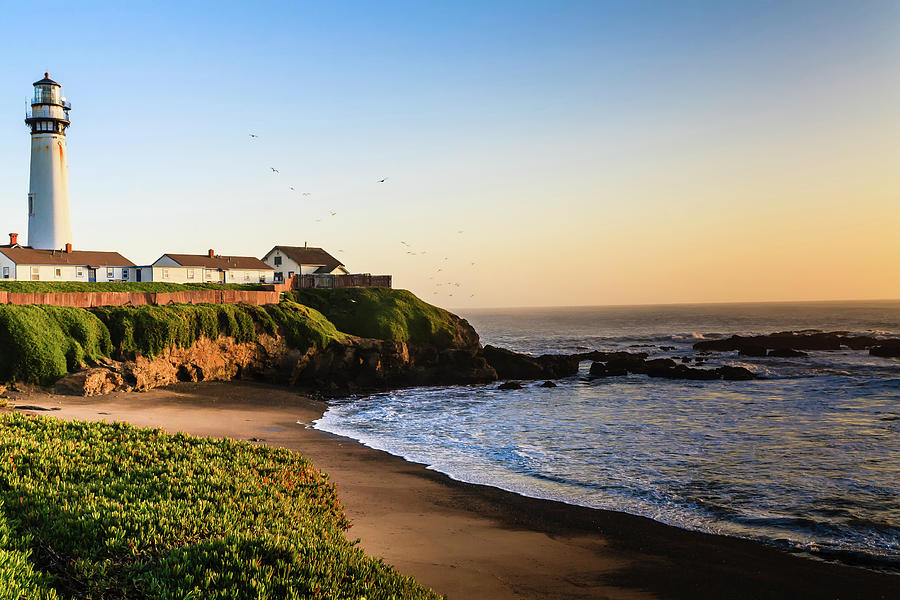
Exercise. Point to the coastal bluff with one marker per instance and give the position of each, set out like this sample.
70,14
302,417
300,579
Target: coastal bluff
331,342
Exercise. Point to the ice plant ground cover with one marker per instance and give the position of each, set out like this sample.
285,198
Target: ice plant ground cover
99,510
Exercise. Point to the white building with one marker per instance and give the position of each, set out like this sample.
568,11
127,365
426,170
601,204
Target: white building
288,261
32,264
207,268
49,223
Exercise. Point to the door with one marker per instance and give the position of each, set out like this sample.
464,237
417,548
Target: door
92,274
137,274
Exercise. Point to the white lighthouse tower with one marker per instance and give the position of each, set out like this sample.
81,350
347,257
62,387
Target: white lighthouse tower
49,223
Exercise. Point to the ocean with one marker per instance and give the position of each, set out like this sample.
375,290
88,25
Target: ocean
807,458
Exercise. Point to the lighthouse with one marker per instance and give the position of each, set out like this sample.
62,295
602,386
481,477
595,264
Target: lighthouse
49,223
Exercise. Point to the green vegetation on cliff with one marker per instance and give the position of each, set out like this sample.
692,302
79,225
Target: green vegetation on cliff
35,287
139,513
381,313
40,344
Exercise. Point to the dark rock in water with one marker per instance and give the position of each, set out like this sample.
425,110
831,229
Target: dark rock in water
752,350
786,353
666,348
861,342
597,355
682,372
729,373
510,385
789,340
887,349
598,369
512,365
548,384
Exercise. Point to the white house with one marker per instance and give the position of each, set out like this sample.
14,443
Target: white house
207,268
30,264
288,261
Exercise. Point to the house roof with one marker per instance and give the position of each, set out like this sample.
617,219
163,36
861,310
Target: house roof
32,256
304,255
219,262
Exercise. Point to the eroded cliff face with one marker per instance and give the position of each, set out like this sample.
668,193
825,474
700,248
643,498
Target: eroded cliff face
351,365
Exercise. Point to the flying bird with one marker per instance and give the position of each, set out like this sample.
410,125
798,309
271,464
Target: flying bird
292,189
382,180
274,170
306,193
333,213
253,135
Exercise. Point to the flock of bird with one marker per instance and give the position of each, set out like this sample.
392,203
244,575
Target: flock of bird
438,273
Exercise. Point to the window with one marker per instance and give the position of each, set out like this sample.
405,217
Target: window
35,273
279,276
165,273
277,261
190,273
110,273
30,205
79,271
246,276
5,272
124,273
58,273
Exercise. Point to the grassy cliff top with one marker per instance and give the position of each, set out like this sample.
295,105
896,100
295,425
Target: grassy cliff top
110,286
382,313
40,344
97,510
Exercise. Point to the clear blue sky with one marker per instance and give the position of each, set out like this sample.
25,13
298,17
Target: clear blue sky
587,151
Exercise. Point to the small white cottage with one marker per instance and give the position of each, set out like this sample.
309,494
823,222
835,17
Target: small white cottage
22,263
288,261
207,268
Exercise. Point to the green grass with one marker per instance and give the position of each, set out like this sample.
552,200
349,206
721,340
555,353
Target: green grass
106,286
303,327
96,510
40,344
381,313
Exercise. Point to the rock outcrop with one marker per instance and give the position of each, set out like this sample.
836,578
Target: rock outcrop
757,345
664,368
886,349
512,365
341,367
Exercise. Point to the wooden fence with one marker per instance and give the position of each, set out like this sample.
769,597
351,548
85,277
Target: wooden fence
91,299
342,281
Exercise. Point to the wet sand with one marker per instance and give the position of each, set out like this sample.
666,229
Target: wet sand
470,541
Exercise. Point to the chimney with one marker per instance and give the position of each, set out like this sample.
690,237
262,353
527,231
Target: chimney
305,245
68,247
211,253
13,239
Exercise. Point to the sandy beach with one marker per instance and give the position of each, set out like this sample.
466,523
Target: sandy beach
471,541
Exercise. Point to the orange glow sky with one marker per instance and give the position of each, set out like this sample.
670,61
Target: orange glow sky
590,153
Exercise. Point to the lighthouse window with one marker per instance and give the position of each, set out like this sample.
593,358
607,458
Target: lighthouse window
30,205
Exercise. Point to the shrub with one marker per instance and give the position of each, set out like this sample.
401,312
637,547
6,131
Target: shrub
138,513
